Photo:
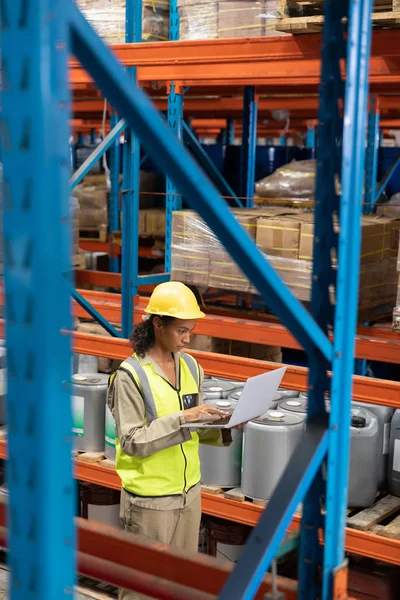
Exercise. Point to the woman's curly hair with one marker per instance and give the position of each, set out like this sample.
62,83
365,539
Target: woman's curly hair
143,338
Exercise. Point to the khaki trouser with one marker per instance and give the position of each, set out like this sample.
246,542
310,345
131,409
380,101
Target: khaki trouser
178,527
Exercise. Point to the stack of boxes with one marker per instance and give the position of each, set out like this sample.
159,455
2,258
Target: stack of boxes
92,195
286,238
207,19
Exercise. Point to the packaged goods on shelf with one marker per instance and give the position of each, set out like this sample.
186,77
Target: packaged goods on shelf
151,222
294,180
92,195
285,236
247,18
194,245
107,17
391,208
207,343
155,23
198,20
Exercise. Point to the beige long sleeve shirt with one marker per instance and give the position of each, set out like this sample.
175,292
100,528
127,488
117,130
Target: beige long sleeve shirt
139,439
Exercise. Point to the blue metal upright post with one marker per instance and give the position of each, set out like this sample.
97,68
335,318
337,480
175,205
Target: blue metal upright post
114,210
131,189
371,157
352,181
282,140
310,138
173,199
249,143
230,131
175,121
328,154
37,256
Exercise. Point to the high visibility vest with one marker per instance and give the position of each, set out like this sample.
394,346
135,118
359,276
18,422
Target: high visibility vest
174,470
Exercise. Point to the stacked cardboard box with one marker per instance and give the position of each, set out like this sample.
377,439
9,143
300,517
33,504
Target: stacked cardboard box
286,238
107,17
198,257
207,19
235,348
92,195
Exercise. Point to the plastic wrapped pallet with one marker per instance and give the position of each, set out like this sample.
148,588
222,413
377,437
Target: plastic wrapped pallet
199,259
247,18
198,20
155,23
107,17
294,180
92,195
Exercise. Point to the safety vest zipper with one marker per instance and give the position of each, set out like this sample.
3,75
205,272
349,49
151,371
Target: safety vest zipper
182,450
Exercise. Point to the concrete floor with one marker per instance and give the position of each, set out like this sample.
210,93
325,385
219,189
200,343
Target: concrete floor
78,595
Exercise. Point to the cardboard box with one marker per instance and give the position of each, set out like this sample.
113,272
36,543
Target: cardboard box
281,236
198,20
225,273
154,222
241,18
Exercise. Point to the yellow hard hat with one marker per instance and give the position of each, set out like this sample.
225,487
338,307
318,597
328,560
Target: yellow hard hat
174,299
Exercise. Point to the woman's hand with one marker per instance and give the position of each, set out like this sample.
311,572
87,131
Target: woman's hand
200,412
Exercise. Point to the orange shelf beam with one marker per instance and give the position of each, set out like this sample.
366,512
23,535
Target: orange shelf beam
365,389
246,513
281,61
371,343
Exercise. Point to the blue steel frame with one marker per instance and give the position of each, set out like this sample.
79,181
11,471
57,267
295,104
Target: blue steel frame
371,157
37,249
249,146
207,164
29,107
114,210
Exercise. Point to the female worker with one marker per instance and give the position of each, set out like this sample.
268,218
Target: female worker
152,394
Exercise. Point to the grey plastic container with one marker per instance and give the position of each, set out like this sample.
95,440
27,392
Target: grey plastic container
217,389
364,458
297,406
109,435
287,394
238,385
268,445
88,408
220,466
384,414
394,455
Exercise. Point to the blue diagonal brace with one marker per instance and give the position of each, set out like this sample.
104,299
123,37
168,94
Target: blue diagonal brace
97,154
94,313
209,167
172,158
266,537
387,177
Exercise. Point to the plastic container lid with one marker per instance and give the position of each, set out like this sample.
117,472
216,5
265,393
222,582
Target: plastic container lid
79,377
215,389
223,404
358,421
275,414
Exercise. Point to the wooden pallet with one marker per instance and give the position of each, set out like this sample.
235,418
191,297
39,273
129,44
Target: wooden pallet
382,518
94,457
305,16
98,233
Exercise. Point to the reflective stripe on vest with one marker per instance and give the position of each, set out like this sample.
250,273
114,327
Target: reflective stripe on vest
172,470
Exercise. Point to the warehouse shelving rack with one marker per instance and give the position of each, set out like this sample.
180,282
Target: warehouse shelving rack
37,300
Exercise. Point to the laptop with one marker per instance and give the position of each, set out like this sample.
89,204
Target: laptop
255,399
